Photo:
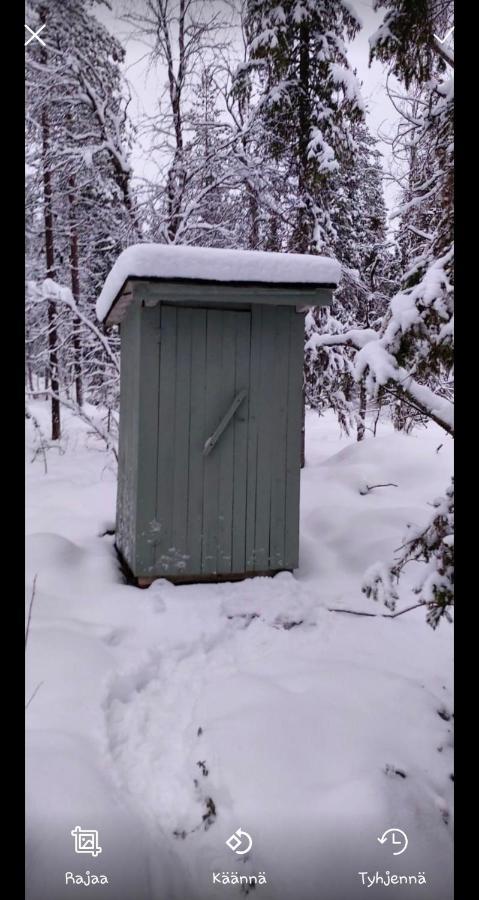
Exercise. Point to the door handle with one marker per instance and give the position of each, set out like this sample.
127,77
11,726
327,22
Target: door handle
214,438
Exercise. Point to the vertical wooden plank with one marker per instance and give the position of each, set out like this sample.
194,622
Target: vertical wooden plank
181,441
122,525
254,419
293,445
121,538
165,440
125,537
280,336
148,366
240,437
266,448
225,448
215,408
198,428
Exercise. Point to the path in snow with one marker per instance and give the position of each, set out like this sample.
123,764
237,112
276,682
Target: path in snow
201,709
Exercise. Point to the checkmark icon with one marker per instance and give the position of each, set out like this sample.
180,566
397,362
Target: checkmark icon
444,39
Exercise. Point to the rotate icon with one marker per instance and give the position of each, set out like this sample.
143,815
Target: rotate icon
236,841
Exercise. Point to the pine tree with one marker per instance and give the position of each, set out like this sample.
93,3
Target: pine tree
418,326
330,194
309,101
413,358
361,245
309,98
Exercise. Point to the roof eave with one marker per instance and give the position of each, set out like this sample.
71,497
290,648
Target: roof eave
154,290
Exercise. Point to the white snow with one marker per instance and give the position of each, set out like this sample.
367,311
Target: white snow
302,718
319,148
381,366
51,290
212,264
349,5
350,84
358,337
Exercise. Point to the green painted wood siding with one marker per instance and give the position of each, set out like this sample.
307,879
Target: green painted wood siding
129,438
274,439
235,510
152,292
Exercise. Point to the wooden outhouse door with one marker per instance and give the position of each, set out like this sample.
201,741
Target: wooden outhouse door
204,404
220,441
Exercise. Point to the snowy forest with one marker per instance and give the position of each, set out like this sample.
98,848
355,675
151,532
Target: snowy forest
312,709
258,143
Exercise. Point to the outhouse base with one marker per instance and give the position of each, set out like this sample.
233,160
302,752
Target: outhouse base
207,579
218,578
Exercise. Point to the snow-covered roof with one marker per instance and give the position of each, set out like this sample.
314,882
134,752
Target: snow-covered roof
161,261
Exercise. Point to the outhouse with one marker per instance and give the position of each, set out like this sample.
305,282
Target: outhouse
210,407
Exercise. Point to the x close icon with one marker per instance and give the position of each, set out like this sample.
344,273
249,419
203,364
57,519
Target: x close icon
34,34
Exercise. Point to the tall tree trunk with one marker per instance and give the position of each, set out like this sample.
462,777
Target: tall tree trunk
75,282
50,273
176,174
253,216
304,236
362,412
273,241
30,379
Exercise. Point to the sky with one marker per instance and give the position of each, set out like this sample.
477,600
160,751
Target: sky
144,84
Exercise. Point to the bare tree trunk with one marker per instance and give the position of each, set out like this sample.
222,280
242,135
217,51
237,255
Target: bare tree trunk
50,273
362,412
176,174
30,380
303,420
253,216
253,203
304,236
273,241
376,421
75,282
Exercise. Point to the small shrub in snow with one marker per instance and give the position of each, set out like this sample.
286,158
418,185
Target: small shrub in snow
432,545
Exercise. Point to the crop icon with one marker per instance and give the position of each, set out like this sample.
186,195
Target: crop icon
86,841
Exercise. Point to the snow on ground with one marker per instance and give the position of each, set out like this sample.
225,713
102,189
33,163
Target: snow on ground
170,717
